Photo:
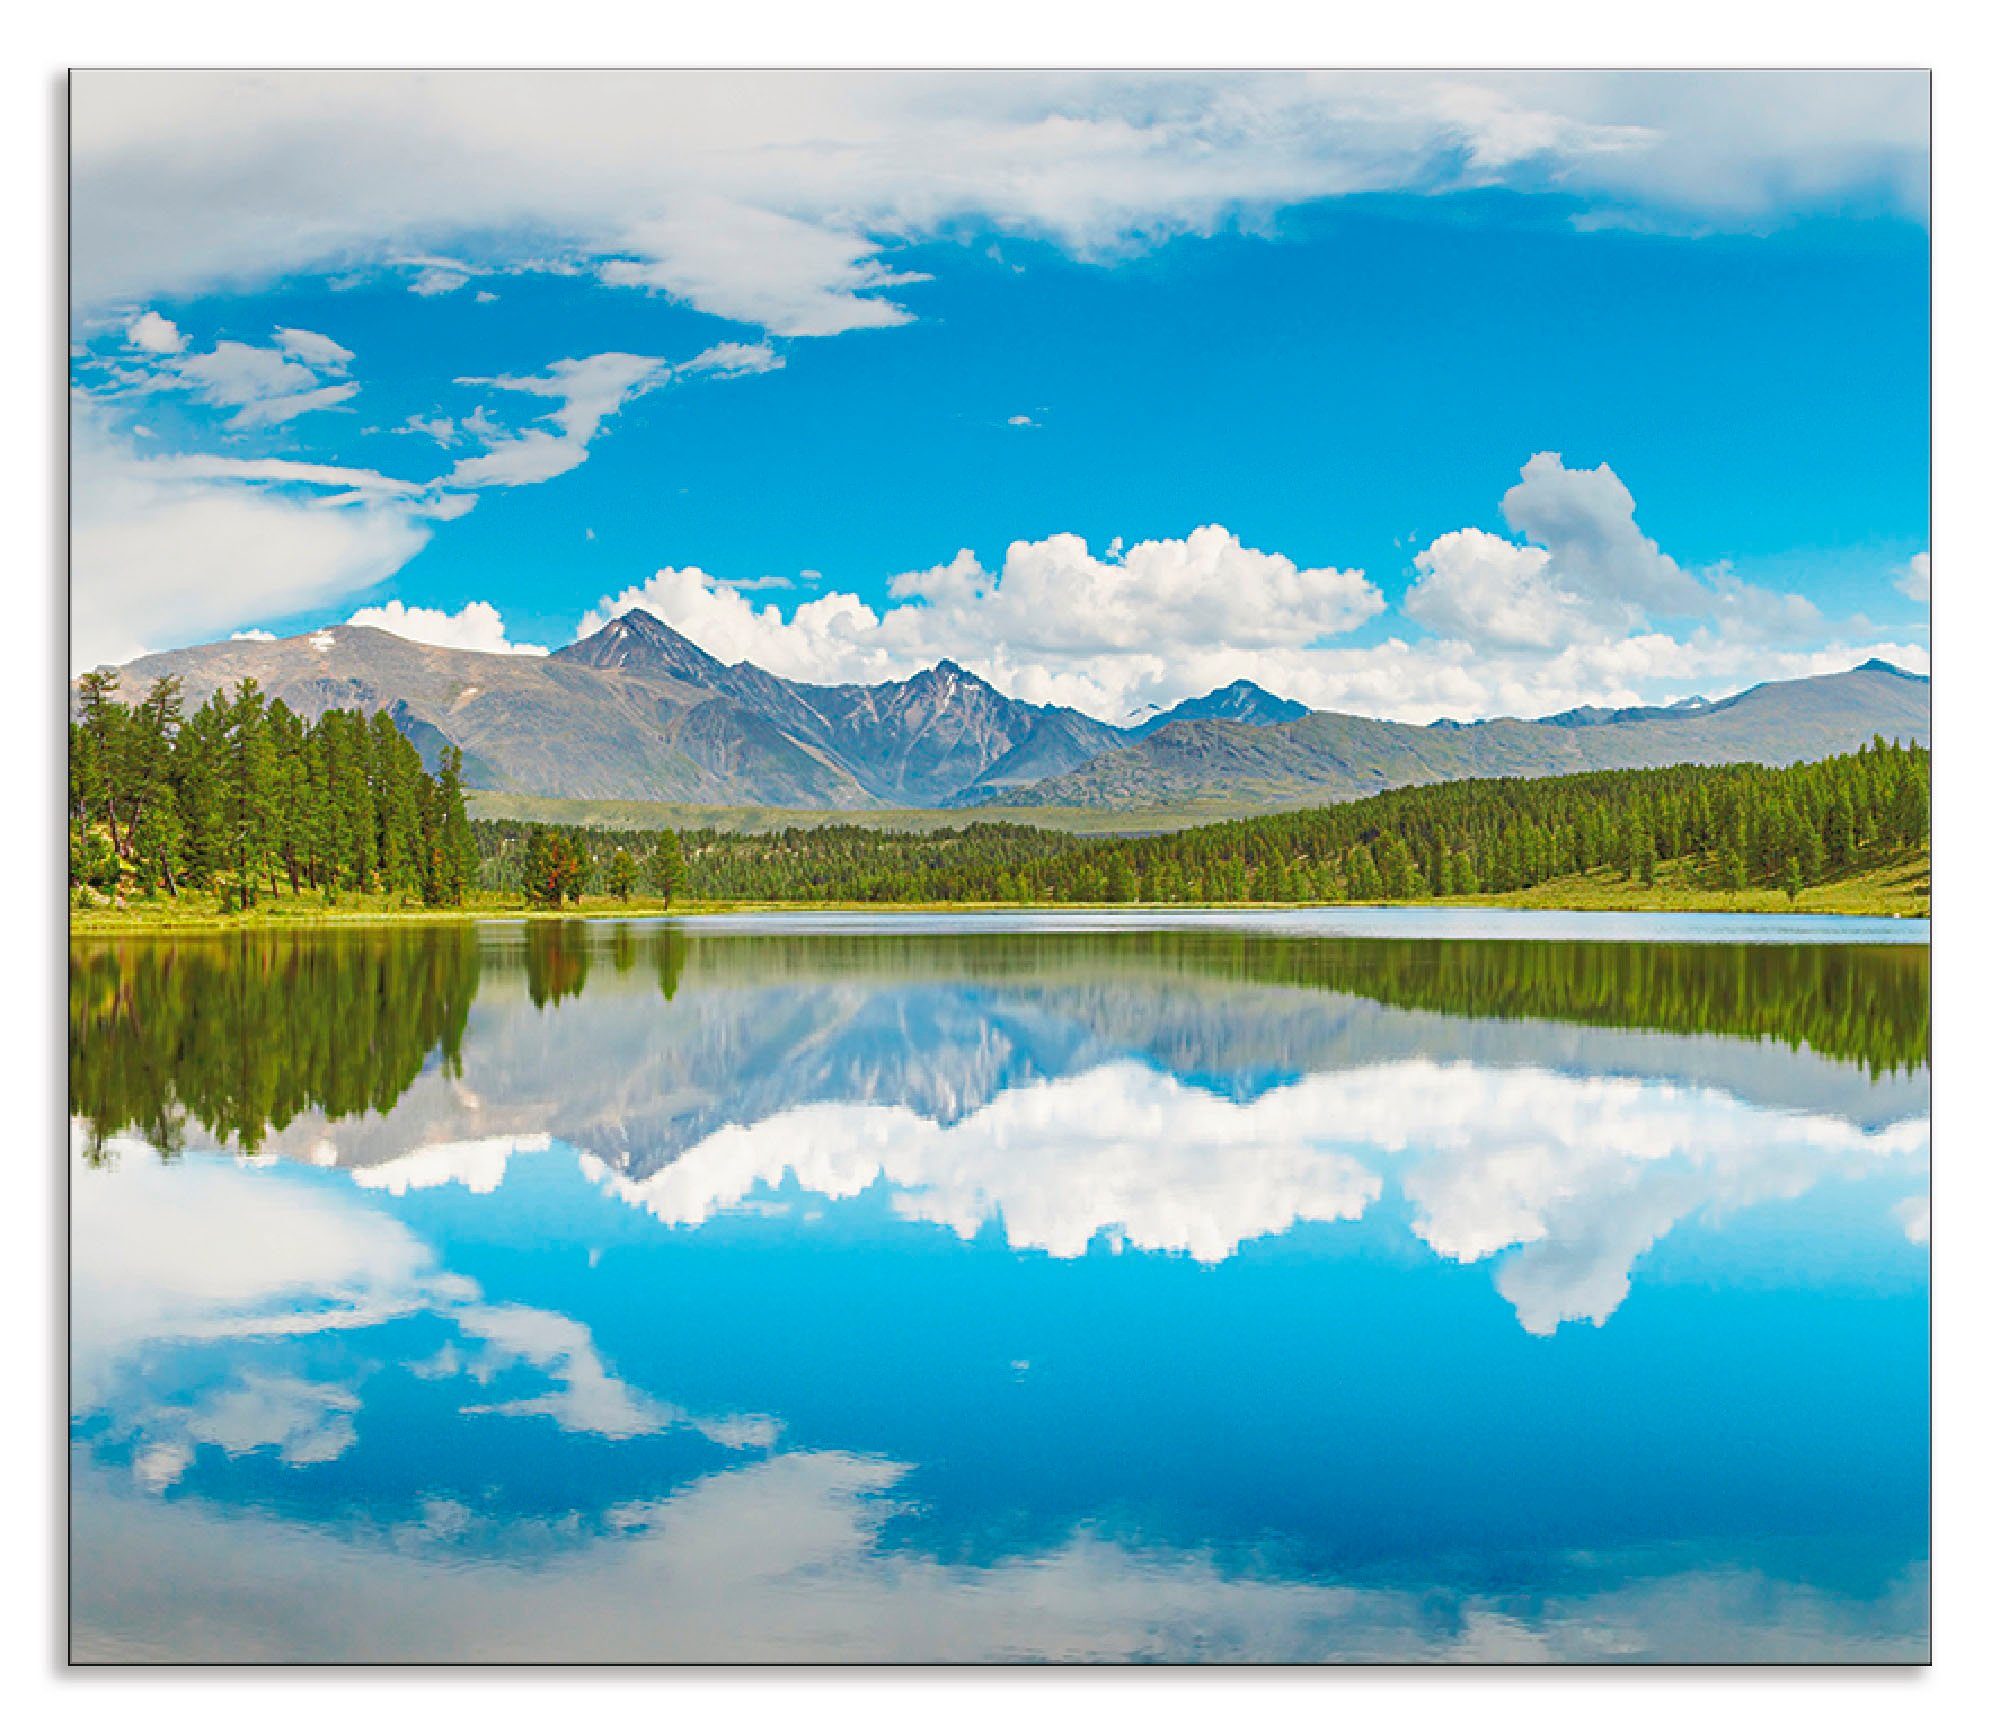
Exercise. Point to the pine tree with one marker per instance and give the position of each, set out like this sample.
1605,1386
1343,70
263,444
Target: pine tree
250,771
460,853
666,870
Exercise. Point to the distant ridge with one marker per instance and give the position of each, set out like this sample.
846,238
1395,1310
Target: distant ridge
1240,701
639,711
1325,756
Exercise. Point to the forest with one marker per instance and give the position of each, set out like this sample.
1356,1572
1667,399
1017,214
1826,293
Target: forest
1730,827
243,795
242,800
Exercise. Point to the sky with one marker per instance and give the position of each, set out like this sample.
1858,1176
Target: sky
1410,394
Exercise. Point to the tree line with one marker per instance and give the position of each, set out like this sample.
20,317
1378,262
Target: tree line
243,796
1726,827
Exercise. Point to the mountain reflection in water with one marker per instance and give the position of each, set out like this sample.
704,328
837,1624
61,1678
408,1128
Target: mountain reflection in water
1171,1293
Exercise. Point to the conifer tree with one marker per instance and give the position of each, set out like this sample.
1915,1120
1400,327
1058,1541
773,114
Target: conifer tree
666,868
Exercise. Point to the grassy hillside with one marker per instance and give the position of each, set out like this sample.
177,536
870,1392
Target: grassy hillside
754,821
1717,829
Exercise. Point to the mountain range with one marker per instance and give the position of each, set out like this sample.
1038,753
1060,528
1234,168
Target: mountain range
637,711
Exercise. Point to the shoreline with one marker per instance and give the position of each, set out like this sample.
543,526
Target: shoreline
142,919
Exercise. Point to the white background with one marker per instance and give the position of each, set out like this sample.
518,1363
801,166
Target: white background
1954,41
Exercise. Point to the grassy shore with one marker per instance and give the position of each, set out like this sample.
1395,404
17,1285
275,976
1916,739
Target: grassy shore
1900,887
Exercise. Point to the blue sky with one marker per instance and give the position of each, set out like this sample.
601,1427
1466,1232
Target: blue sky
1490,395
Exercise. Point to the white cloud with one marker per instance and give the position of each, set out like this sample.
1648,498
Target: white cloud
583,1395
205,466
1570,1178
1913,1217
172,551
283,1261
1165,619
730,360
1123,1151
795,277
477,1164
792,1559
156,334
239,373
778,198
587,391
476,626
307,1263
1051,621
255,635
313,348
1587,521
307,1421
1583,575
265,386
436,280
1482,588
1915,579
1022,421
270,412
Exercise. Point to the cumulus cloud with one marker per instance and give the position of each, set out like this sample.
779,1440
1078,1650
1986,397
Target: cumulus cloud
1052,621
780,198
1582,572
1564,1181
477,1164
1121,1151
1587,520
1485,589
1167,618
155,333
1915,578
476,626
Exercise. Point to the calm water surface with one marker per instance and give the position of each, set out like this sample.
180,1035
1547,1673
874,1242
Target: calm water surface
940,1289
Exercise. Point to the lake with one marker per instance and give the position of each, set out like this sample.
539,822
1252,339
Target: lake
1372,1286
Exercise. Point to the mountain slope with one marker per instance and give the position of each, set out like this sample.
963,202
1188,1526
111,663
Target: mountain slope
914,742
1325,756
636,711
1240,701
533,725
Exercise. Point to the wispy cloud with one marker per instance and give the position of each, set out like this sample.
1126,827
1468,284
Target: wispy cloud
587,391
